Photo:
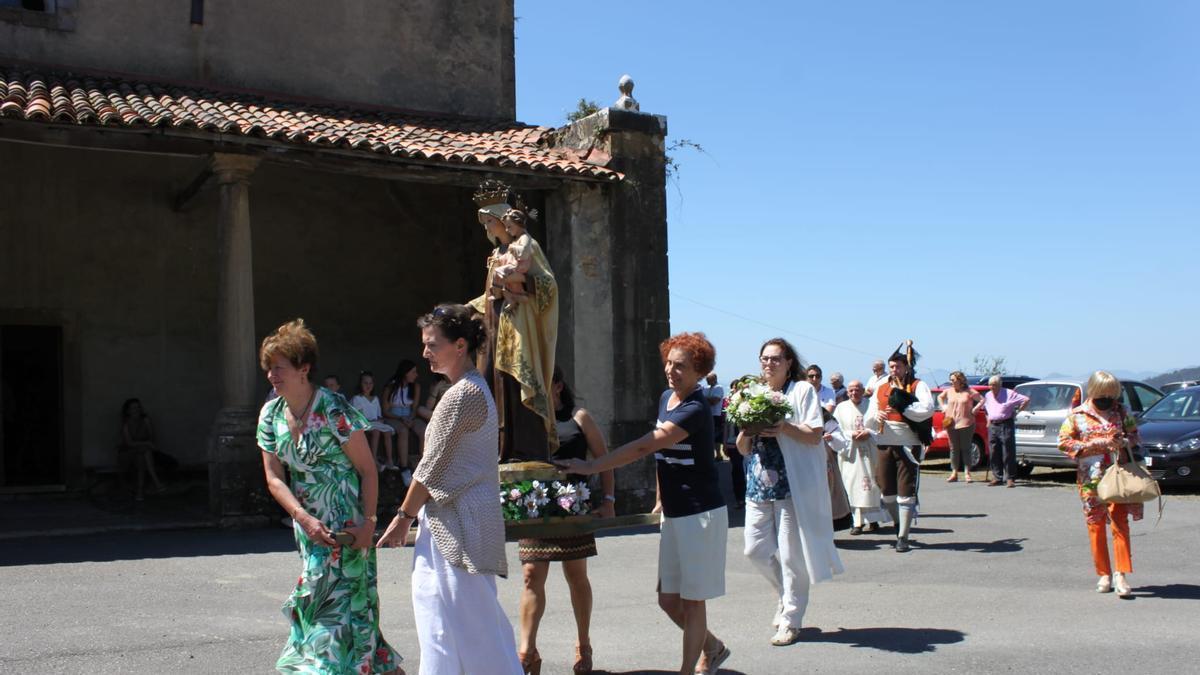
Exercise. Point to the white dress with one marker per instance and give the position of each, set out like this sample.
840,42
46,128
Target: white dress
369,407
808,478
856,459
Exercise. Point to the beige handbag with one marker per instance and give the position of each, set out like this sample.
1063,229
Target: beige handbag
1127,483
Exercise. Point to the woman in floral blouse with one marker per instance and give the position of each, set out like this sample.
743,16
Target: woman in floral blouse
334,607
1093,435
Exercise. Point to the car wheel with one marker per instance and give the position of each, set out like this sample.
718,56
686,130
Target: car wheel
977,457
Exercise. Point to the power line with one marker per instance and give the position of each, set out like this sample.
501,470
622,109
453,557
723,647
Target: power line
785,330
772,327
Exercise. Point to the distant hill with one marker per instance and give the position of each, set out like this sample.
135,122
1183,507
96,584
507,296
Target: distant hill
1175,376
1139,375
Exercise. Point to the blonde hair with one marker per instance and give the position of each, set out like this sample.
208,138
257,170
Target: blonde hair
957,374
1103,383
293,341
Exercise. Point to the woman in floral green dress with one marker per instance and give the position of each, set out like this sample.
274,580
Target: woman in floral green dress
334,608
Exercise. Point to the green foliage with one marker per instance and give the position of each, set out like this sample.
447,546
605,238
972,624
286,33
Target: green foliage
582,109
983,364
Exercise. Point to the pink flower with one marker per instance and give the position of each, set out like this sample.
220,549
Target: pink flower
565,503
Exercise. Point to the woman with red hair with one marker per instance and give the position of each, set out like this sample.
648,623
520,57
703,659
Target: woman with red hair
691,552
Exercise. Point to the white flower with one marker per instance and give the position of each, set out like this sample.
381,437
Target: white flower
538,493
584,493
566,490
776,397
744,408
514,494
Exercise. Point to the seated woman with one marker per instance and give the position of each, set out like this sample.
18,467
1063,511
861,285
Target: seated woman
401,393
436,392
137,444
368,404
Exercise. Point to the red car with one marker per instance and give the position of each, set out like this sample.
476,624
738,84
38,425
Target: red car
980,451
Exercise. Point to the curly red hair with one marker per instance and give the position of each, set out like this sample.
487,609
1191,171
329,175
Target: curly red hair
696,346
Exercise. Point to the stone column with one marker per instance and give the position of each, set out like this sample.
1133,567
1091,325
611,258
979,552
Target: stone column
236,487
608,247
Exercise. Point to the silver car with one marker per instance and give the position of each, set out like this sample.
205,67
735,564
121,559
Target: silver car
1049,402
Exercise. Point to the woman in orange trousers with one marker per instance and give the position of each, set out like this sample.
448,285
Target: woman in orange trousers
1094,434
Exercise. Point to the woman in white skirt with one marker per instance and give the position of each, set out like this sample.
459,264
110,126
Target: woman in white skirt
459,550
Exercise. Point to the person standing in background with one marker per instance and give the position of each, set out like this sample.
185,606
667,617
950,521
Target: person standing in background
1002,405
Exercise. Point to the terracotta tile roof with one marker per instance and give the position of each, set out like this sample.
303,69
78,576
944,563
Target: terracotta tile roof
44,95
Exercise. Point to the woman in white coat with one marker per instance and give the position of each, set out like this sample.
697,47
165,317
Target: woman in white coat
790,539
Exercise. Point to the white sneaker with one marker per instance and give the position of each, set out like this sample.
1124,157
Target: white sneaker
1104,585
1122,586
786,635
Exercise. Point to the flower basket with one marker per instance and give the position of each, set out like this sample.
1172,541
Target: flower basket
754,406
538,493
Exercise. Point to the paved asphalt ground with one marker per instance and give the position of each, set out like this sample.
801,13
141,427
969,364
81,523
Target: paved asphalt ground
999,581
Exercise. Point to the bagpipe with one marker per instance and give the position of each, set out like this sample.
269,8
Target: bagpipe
900,398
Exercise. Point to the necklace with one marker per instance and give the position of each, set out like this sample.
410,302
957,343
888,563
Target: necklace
296,423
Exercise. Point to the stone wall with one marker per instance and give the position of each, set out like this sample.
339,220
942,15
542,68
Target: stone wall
89,239
454,57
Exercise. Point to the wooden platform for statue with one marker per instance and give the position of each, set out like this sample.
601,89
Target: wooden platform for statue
560,526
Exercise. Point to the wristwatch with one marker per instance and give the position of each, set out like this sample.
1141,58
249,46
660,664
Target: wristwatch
400,512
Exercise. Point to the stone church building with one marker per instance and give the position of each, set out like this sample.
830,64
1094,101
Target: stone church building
178,177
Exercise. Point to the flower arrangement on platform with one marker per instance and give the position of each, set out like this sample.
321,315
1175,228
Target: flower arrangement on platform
754,406
533,499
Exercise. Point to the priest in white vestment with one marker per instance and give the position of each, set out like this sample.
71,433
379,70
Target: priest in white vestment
856,459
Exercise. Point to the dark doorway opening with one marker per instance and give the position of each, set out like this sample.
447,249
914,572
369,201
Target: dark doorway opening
31,401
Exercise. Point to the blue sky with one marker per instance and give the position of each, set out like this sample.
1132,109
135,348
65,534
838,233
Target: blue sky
1007,178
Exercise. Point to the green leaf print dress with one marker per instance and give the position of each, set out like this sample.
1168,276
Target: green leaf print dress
334,608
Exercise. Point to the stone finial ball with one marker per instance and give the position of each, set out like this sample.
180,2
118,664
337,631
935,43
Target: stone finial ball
626,85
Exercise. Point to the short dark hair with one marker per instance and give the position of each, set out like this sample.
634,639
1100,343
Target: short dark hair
816,368
456,321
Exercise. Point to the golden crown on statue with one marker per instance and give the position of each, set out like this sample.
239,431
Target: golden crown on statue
491,192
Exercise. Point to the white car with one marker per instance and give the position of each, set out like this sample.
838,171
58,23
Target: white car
1049,402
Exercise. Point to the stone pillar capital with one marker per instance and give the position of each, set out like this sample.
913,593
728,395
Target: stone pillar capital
230,168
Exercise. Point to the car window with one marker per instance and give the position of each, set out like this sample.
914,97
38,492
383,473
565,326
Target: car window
1176,406
1127,398
1050,396
1147,395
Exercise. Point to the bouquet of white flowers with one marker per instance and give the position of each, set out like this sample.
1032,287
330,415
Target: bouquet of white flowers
754,406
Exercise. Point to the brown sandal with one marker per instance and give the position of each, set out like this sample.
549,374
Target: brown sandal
531,662
583,660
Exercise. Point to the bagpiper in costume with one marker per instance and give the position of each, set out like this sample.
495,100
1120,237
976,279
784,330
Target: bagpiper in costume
899,416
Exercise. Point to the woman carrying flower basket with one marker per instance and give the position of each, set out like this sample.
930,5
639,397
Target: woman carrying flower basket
789,523
578,434
691,553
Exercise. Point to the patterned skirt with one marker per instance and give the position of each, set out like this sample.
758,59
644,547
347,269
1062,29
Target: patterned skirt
556,549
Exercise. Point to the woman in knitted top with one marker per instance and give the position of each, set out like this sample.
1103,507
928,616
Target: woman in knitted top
459,549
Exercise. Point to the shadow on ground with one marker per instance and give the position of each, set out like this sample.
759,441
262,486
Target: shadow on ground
147,545
998,546
895,640
1168,592
726,671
